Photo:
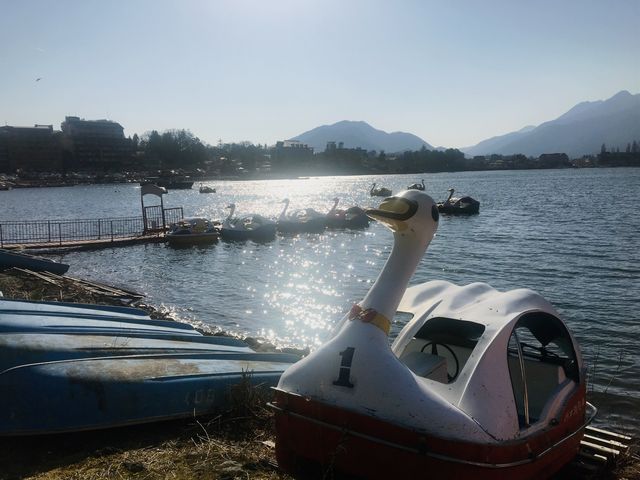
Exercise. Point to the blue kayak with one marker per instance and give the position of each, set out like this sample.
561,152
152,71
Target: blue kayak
67,367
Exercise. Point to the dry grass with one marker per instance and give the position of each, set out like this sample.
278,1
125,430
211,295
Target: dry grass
234,444
628,466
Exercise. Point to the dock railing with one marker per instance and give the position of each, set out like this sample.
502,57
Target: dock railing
61,232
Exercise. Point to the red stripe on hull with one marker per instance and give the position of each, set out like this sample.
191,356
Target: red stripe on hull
313,438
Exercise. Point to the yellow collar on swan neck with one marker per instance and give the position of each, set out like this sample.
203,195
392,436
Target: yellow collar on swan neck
369,315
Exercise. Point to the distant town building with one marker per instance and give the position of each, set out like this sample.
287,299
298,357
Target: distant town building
346,160
290,154
29,148
95,143
554,160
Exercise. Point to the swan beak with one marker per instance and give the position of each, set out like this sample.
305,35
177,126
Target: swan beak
393,212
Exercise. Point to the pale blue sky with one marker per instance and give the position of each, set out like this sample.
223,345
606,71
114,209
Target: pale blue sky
452,72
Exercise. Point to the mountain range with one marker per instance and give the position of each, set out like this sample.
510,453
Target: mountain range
361,134
580,131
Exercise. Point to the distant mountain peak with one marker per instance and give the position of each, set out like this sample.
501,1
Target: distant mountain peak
579,131
359,134
622,94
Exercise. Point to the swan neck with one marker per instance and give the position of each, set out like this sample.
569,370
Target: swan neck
387,291
284,210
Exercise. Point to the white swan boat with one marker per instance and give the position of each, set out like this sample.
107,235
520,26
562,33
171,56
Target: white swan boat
305,220
353,217
479,384
249,227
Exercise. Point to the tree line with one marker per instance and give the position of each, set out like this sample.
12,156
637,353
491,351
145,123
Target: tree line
180,149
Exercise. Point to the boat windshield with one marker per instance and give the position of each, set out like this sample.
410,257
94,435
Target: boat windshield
441,348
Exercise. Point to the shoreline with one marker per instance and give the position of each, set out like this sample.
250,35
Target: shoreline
21,183
236,443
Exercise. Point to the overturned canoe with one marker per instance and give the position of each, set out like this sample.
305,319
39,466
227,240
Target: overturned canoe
69,368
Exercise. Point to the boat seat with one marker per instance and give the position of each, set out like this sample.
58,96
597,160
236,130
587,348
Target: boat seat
544,381
426,365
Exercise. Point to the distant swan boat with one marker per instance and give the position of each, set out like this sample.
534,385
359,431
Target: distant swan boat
379,191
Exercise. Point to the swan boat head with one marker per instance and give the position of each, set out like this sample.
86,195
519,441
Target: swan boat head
283,214
229,221
334,209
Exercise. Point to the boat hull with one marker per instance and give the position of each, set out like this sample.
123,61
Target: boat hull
264,233
38,264
451,210
182,239
357,220
176,184
315,440
66,368
105,392
316,225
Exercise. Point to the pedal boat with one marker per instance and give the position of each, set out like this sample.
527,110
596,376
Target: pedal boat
248,227
478,384
459,205
193,231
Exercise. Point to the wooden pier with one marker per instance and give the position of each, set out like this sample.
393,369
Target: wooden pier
88,244
89,233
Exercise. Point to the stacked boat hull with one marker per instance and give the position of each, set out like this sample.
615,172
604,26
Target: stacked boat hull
66,368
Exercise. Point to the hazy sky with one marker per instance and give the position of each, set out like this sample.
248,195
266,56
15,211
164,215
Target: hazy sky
452,72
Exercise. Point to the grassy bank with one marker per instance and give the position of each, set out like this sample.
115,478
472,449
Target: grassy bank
234,444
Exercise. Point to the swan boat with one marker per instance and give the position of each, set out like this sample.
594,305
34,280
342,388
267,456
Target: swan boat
250,227
306,220
206,189
459,205
70,367
478,384
417,186
379,191
352,217
190,231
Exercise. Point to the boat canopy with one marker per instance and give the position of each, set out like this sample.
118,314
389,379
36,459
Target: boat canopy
515,363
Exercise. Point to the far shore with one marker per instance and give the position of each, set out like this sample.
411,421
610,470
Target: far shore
56,179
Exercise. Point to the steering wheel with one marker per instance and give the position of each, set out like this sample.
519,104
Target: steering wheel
434,351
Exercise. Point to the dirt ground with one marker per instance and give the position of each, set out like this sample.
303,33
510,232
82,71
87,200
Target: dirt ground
235,444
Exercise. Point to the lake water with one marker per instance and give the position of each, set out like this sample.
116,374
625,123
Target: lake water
571,235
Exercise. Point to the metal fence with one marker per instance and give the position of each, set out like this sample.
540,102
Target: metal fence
156,218
59,232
